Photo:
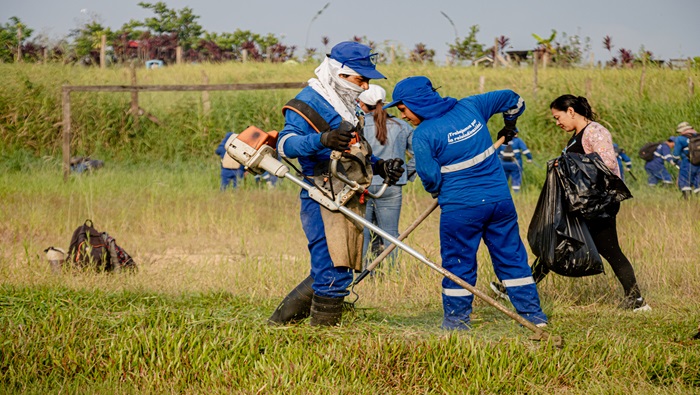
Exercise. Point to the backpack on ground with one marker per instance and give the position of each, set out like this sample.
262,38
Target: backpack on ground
648,149
694,149
90,248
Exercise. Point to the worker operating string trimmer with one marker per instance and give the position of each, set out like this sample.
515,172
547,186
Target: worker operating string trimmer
325,136
253,148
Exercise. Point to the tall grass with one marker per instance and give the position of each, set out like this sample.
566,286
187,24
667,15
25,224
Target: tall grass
213,265
31,111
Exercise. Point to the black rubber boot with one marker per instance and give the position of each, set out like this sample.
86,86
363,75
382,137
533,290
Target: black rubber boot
296,306
326,311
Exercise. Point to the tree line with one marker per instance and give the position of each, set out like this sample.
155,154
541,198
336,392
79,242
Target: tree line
170,30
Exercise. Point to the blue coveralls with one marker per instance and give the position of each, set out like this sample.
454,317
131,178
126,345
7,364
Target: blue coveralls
299,140
688,174
622,157
655,168
512,162
454,159
228,176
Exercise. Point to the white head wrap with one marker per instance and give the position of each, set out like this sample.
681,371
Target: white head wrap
341,94
373,95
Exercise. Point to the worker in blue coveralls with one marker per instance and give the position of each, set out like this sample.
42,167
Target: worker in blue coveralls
511,156
622,159
455,162
656,169
334,242
231,171
688,174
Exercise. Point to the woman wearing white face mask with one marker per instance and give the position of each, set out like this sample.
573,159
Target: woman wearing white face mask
322,118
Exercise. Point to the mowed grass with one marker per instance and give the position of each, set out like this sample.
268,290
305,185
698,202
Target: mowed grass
213,266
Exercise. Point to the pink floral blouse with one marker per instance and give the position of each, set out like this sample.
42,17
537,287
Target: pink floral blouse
598,139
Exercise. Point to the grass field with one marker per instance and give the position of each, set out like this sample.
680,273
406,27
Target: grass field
214,265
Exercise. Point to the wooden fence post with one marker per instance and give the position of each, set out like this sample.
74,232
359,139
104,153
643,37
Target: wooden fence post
482,83
103,50
178,55
19,44
641,78
65,103
244,55
206,104
534,78
691,87
134,110
589,85
495,52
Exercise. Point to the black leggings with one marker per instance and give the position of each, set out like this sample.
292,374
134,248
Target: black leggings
604,234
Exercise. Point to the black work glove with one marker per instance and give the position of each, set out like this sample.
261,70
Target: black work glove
508,131
338,139
390,170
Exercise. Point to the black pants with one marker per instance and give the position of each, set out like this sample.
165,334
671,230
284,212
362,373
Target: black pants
604,234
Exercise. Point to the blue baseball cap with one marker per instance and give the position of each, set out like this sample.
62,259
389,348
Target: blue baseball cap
358,57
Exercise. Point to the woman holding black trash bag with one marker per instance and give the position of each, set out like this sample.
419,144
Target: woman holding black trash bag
574,114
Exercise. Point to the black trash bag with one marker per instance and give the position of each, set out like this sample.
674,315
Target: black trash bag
589,185
560,239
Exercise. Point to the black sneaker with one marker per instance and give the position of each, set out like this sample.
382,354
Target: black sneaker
636,305
499,290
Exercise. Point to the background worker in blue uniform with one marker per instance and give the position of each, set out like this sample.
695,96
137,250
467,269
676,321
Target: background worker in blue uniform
335,243
455,162
656,169
688,174
231,171
511,156
624,162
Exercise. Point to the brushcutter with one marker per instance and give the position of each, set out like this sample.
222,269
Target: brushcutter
253,148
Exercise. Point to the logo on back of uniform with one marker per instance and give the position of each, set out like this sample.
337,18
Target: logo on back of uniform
464,134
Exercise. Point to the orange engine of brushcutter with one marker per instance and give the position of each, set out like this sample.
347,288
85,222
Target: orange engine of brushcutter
256,137
355,139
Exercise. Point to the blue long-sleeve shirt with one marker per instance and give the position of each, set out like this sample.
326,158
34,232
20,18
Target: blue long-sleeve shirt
444,145
399,141
622,158
661,154
680,150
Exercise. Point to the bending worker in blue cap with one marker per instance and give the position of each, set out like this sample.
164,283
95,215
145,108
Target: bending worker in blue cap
455,161
324,118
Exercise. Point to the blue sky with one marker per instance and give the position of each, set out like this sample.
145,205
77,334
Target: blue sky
668,28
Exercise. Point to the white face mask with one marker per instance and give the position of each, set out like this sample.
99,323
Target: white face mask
350,86
339,91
